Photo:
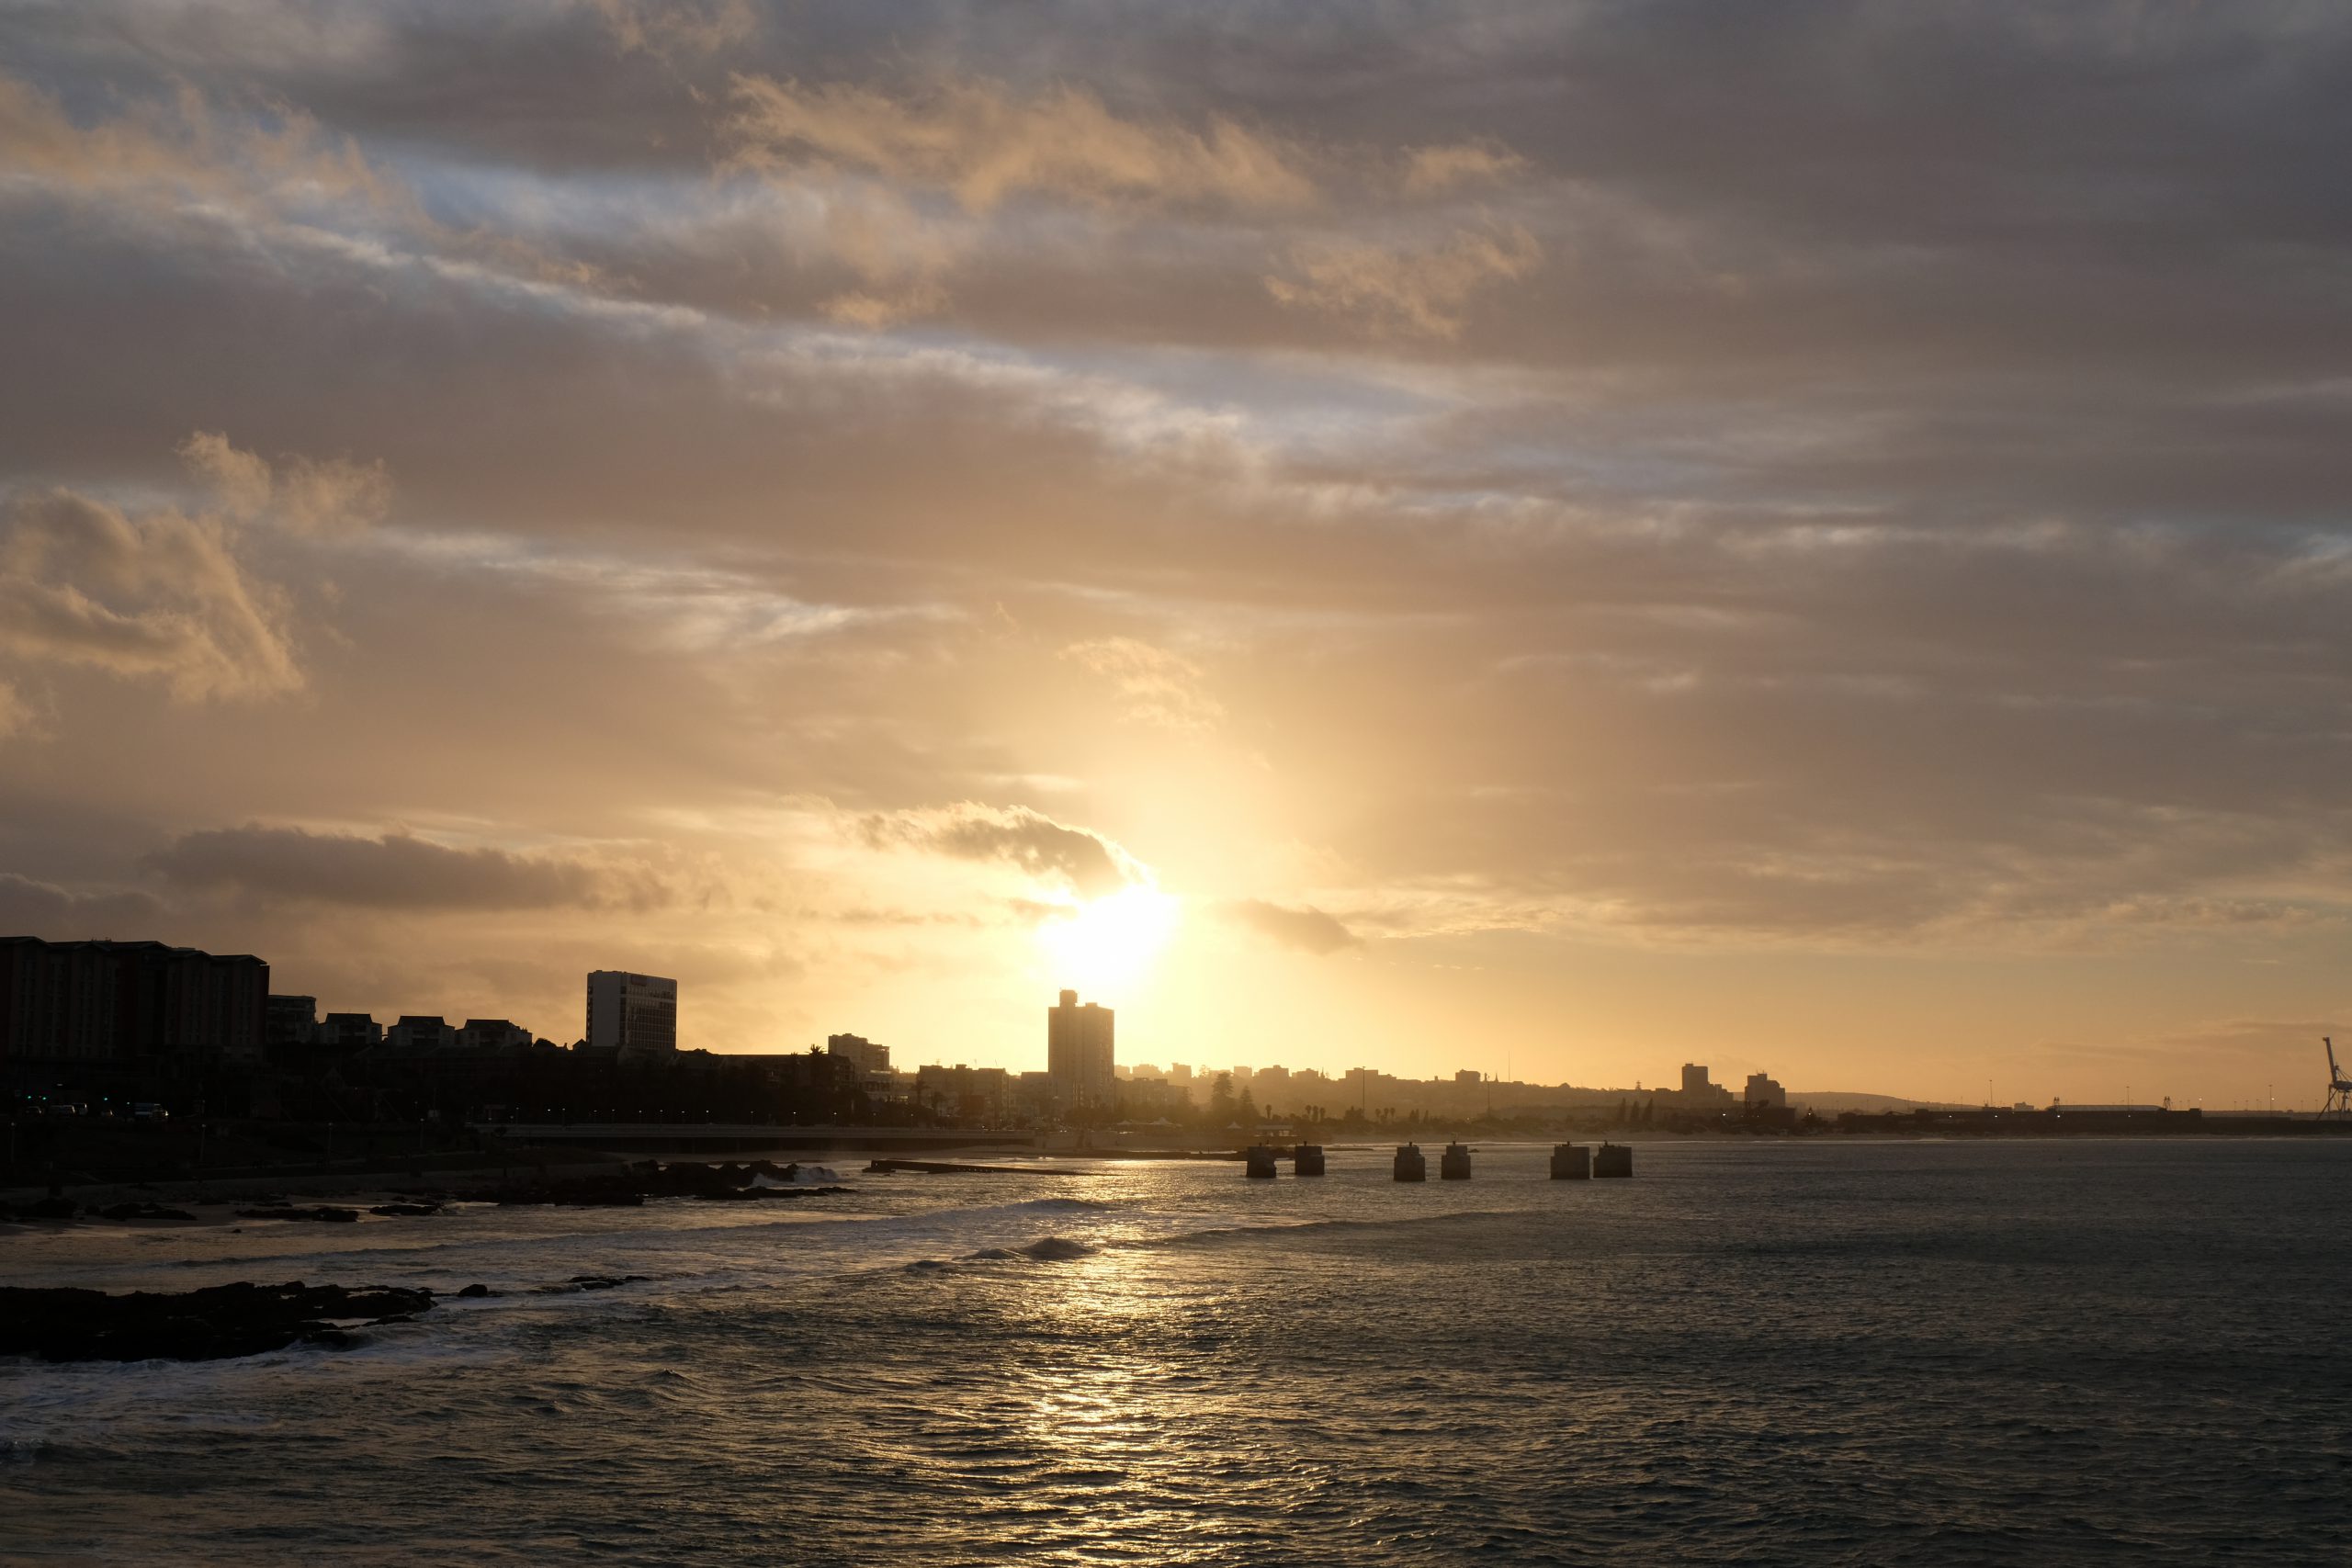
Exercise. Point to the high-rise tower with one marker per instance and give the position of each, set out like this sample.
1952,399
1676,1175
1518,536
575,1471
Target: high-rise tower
1078,1053
634,1017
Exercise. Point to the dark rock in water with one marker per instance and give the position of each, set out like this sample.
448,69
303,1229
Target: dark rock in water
475,1293
143,1211
211,1324
406,1210
326,1212
599,1282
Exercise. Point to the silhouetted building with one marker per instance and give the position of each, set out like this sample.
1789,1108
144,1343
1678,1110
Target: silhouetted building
1698,1092
492,1034
420,1035
289,1023
632,1016
1766,1091
1078,1053
347,1034
120,1001
971,1093
873,1064
869,1056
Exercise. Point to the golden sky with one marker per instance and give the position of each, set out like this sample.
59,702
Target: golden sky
1563,538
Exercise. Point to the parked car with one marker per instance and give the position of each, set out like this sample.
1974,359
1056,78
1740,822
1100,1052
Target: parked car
148,1111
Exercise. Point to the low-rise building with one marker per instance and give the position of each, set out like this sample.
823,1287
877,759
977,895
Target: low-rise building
420,1035
967,1093
484,1034
346,1034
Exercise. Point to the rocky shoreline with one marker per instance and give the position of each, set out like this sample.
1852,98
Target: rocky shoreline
604,1186
214,1324
221,1322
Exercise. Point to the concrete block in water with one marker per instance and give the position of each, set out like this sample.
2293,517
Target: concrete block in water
1411,1165
1260,1162
1306,1159
1612,1159
1571,1163
1454,1164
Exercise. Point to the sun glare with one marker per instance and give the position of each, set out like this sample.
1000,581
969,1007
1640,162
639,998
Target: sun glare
1107,943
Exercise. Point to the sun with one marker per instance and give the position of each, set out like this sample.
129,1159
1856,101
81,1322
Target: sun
1108,943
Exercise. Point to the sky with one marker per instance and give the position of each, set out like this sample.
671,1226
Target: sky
1559,538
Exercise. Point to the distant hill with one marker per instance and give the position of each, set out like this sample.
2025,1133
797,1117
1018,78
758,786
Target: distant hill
1829,1103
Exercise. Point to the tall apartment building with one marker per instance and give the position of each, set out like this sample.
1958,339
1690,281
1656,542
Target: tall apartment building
632,1016
119,1001
1700,1092
873,1059
1079,1055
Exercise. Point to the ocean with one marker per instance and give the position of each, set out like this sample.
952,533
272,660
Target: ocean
1803,1352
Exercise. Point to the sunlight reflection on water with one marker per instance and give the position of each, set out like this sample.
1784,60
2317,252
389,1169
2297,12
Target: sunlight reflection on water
1842,1352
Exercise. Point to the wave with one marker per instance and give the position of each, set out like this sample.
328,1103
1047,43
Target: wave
1050,1249
1400,1221
803,1175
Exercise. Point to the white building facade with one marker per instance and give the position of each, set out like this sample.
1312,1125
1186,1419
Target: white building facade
633,1017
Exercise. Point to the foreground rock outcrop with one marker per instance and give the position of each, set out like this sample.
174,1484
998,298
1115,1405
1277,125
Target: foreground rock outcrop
209,1325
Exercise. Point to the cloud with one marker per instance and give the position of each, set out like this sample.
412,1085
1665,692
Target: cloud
1898,527
1431,170
1089,864
873,311
1423,293
1306,928
39,908
155,596
1160,688
330,497
396,872
982,142
670,30
179,148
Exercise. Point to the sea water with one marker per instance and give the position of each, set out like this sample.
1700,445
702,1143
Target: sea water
1754,1351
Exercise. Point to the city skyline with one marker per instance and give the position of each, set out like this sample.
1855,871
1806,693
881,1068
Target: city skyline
1395,545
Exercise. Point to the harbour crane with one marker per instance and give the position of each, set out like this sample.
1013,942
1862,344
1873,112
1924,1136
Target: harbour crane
2339,1088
